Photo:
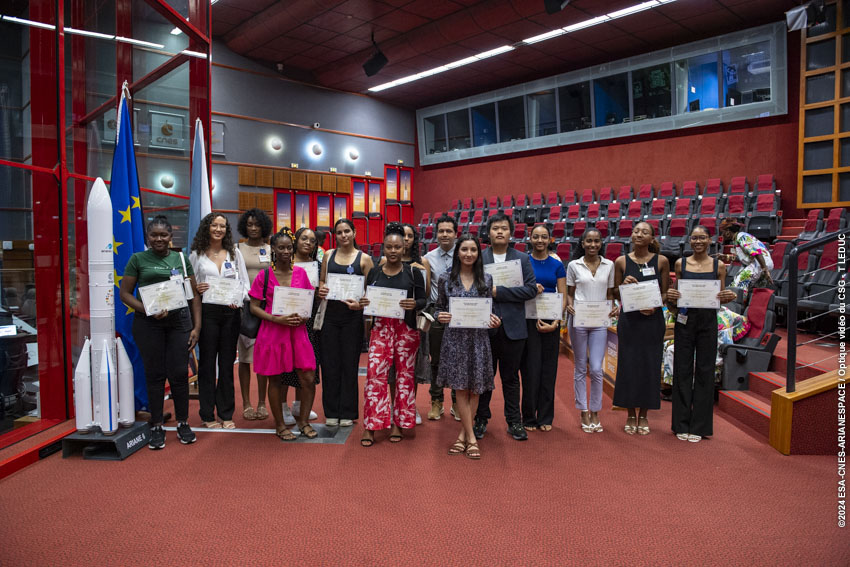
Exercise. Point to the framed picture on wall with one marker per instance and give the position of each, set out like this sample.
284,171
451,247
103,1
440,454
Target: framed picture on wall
167,130
358,192
340,208
405,184
282,209
217,137
323,211
375,199
391,180
302,211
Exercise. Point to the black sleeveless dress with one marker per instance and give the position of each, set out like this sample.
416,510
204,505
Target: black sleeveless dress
640,350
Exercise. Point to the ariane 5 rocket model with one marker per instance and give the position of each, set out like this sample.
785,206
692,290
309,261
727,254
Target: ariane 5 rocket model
103,378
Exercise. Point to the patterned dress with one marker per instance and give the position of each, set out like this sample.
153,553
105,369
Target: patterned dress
465,359
747,248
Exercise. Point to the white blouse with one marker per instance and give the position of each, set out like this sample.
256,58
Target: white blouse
204,267
590,287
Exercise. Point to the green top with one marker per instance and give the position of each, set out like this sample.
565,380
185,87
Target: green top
148,268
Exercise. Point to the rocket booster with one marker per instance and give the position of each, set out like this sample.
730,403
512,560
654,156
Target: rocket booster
82,390
126,396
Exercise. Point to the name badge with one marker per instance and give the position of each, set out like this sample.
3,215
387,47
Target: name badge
682,318
263,256
175,275
228,272
650,271
174,271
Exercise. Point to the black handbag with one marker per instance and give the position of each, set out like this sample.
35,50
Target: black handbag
250,325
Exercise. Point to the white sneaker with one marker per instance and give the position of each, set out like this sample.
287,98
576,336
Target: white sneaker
296,410
346,422
418,418
454,414
332,422
287,416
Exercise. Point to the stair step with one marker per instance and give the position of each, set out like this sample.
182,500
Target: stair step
779,362
762,384
747,409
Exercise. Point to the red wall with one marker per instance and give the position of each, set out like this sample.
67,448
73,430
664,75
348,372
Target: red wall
751,148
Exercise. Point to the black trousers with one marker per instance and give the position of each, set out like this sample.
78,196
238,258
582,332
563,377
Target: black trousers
341,340
435,342
163,346
507,356
693,388
219,334
539,369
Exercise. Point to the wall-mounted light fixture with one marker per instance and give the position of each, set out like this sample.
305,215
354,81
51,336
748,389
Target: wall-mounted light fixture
166,180
316,149
332,170
352,154
368,174
293,165
275,144
401,162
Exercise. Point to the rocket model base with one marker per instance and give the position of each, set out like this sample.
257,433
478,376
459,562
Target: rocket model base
116,447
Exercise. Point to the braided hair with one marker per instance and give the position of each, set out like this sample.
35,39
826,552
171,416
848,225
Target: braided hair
284,232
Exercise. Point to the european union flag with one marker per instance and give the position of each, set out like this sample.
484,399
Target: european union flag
128,234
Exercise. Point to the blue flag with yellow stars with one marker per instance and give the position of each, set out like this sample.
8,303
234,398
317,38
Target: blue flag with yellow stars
128,235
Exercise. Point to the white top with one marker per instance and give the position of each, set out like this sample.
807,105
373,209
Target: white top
204,267
590,287
441,262
499,258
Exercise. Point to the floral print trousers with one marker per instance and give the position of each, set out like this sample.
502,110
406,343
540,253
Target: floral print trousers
391,341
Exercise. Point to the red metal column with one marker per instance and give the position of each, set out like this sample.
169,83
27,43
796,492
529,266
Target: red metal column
200,76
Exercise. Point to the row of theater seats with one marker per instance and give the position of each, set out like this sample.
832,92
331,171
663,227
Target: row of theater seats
816,226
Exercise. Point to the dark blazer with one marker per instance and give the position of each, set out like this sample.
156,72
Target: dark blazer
509,303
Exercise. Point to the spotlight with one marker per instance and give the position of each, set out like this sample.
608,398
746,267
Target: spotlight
167,181
555,6
376,62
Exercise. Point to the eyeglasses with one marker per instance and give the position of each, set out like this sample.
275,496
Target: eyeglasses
700,238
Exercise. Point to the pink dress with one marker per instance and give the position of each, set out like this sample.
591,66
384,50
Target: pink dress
280,348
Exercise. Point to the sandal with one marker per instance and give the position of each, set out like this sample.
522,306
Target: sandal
473,452
261,413
308,431
630,427
284,434
643,429
457,448
396,437
228,424
546,427
212,425
530,427
249,414
367,440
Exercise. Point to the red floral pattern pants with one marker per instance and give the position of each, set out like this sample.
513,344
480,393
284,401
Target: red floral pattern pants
391,341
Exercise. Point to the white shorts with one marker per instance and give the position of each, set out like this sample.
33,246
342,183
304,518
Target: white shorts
245,349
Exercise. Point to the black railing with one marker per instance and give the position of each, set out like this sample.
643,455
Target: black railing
793,271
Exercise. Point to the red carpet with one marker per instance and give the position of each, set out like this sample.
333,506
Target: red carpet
564,497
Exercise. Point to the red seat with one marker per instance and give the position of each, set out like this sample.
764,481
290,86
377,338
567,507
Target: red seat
507,201
625,194
436,215
736,205
657,209
814,224
473,229
519,246
710,224
613,250
493,202
554,213
466,204
573,212
432,246
519,230
426,218
519,201
767,203
678,227
587,197
780,249
765,183
478,217
463,219
836,220
429,232
625,228
569,197
614,210
682,207
563,251
536,199
655,224
713,187
690,189
606,195
376,249
559,229
593,211
492,212
667,191
603,228
480,202
708,206
553,198
635,210
578,229
645,193
509,213
739,186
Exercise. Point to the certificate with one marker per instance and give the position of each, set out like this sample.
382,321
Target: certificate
384,302
699,294
289,300
163,296
470,312
591,314
546,306
507,274
223,291
344,286
312,269
643,295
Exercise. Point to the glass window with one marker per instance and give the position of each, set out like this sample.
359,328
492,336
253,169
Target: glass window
574,106
435,134
827,26
820,88
458,123
746,74
697,85
820,54
817,188
484,124
611,99
651,96
511,119
541,113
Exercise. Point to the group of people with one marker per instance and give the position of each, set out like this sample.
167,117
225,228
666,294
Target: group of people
420,345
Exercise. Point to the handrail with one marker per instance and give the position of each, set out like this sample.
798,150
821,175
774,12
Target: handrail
793,269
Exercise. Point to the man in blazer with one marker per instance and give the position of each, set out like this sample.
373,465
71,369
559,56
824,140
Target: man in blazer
508,341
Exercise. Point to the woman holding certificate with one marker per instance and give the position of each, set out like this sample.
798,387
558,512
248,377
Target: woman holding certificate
700,292
590,289
223,284
282,342
464,305
539,365
341,282
164,337
641,277
395,292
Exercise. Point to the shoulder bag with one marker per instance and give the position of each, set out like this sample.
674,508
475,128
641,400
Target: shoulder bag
251,323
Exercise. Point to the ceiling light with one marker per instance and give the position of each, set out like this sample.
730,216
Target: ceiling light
89,33
461,62
544,36
139,42
28,23
197,54
555,6
494,52
634,9
176,31
376,62
586,24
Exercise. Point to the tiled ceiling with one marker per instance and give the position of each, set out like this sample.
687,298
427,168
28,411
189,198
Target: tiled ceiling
326,42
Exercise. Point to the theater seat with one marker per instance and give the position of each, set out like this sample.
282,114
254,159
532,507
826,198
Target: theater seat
645,193
674,241
559,230
593,212
690,189
813,227
736,206
625,194
836,220
605,195
765,184
604,228
563,251
613,250
682,207
764,221
753,352
657,209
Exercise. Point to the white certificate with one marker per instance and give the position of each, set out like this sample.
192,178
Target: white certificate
507,274
546,306
312,269
223,291
345,286
643,295
591,314
163,296
470,312
699,294
289,300
384,302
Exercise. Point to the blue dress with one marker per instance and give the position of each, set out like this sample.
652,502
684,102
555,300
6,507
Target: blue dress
465,359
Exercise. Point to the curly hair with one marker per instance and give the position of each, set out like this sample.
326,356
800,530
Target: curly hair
284,232
414,246
262,219
297,237
201,243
